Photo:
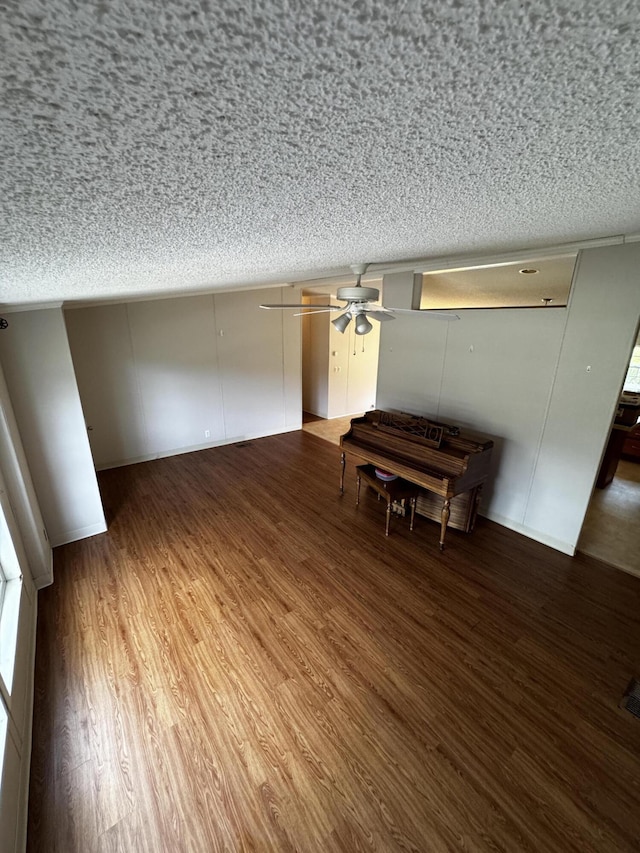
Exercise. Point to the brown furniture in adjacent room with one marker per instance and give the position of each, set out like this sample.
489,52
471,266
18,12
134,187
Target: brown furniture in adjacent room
631,446
624,438
438,458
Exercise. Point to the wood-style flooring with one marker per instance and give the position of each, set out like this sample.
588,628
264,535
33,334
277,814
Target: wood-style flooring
611,530
331,429
245,663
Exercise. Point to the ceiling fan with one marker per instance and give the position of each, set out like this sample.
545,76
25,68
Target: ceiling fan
361,307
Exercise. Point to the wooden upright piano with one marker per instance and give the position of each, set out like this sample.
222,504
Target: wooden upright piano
443,461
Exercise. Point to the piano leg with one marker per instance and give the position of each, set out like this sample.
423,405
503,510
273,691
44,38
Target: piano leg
343,462
412,504
446,512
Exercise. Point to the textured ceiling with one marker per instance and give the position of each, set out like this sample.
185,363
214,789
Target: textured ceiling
148,147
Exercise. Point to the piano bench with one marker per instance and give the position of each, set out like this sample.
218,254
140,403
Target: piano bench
390,490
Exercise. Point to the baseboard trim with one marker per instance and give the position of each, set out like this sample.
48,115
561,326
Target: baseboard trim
193,448
79,533
45,579
530,533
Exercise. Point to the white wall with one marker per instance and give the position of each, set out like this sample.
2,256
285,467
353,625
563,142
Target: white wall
315,360
108,384
521,376
175,368
155,377
34,352
599,336
260,365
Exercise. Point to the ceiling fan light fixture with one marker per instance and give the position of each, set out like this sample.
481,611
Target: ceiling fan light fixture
341,322
363,326
361,303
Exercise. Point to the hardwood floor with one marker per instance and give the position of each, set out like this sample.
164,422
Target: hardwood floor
331,429
244,662
610,530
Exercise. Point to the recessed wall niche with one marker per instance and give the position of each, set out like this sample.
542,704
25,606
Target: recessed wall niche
527,283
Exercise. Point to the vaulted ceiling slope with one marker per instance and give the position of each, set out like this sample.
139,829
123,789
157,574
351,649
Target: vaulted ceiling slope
152,147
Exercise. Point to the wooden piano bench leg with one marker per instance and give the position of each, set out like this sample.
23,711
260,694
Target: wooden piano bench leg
412,504
386,529
343,462
446,512
358,481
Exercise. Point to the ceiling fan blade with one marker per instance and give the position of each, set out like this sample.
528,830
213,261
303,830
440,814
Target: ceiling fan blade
438,315
324,310
380,315
308,307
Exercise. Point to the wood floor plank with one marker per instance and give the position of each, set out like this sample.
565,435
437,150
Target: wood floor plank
244,662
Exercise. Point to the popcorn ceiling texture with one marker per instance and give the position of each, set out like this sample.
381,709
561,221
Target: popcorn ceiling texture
152,147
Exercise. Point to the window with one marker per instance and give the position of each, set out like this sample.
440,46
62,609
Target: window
632,381
9,612
3,584
10,595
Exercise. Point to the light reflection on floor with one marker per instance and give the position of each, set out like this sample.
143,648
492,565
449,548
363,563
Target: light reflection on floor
331,430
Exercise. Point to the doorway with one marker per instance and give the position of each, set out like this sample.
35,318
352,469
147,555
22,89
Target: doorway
339,369
610,529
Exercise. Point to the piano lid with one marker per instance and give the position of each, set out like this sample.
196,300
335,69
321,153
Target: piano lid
424,430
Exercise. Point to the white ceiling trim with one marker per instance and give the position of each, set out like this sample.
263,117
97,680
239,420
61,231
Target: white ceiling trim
35,306
465,262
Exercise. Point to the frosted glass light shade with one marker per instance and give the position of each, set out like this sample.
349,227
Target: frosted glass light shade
342,322
363,326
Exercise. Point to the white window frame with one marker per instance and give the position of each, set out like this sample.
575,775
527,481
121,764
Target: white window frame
10,594
4,713
10,600
632,379
3,582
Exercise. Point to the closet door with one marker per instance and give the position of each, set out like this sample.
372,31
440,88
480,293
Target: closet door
363,371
